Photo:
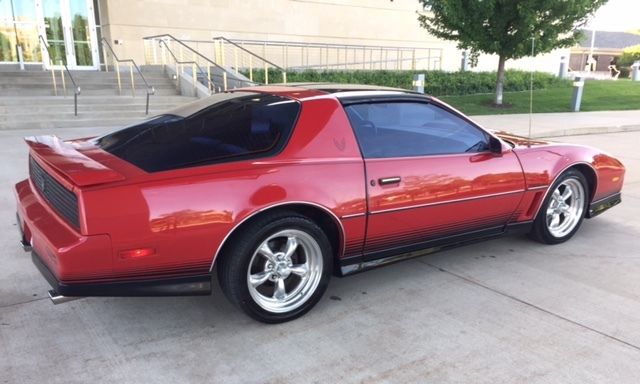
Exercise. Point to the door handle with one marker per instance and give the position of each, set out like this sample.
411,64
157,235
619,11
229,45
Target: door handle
389,180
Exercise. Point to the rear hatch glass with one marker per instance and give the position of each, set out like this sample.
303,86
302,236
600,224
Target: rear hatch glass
222,128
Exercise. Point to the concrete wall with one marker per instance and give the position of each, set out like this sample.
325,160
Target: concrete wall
326,21
366,22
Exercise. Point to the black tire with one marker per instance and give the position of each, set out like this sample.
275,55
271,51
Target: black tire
242,254
542,231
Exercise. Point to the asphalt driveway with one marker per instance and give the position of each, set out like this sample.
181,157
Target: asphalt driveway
505,311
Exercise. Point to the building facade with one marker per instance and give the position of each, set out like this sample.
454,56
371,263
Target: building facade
73,30
68,27
605,46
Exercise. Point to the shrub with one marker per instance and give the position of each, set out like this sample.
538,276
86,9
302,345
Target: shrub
438,83
629,56
624,72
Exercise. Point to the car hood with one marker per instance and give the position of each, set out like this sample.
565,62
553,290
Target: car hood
520,141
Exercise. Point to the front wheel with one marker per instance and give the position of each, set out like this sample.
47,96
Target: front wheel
563,209
278,268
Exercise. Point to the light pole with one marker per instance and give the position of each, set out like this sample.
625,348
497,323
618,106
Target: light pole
593,41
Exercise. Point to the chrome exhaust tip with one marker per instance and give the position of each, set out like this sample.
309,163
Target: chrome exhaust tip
26,246
57,298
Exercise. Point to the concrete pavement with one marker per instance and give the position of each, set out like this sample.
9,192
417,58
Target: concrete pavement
504,311
563,124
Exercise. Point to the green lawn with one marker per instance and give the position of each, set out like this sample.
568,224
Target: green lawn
599,95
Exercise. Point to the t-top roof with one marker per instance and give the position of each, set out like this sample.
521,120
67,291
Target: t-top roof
295,91
338,88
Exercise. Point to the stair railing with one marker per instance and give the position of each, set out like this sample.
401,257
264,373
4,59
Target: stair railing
239,64
199,60
132,64
210,84
299,56
76,88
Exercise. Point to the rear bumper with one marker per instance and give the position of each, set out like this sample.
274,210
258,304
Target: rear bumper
69,255
71,262
597,207
181,286
26,246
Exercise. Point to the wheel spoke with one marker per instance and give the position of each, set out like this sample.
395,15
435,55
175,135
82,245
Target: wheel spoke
289,260
300,269
280,292
260,278
266,251
565,208
292,245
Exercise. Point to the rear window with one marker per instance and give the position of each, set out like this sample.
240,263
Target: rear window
239,128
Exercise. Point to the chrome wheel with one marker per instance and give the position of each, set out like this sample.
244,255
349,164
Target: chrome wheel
285,270
565,208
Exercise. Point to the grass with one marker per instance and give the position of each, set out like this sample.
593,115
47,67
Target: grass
598,95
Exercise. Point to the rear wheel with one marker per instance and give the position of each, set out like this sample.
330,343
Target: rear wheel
563,210
278,268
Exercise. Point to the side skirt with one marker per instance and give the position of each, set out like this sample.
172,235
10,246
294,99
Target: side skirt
358,264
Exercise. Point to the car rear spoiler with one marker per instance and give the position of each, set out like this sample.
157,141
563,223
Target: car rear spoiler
65,158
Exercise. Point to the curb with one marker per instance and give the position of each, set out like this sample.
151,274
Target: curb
587,131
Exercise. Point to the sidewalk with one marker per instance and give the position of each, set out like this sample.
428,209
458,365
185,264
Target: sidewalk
563,124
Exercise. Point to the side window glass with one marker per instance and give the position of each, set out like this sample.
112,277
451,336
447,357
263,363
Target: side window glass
403,129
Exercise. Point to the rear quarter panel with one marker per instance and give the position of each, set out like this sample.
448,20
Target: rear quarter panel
186,214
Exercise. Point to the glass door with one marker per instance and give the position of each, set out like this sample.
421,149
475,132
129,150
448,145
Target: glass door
70,30
18,27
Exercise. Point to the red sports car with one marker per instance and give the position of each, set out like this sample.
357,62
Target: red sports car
277,188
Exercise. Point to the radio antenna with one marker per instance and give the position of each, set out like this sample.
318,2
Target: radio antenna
533,44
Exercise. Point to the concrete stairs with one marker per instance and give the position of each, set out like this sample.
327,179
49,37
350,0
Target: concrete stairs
27,101
43,112
91,83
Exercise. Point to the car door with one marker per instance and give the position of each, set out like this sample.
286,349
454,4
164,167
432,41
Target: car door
430,176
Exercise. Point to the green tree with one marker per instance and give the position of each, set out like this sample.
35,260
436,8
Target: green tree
506,27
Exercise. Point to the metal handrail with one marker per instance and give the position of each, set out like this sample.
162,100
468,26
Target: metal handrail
337,66
330,45
132,64
249,52
211,85
387,55
161,39
77,89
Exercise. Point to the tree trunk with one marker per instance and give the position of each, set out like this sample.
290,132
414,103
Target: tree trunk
500,80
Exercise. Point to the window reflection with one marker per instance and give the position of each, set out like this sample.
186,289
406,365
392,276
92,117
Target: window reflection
18,25
54,31
80,32
61,19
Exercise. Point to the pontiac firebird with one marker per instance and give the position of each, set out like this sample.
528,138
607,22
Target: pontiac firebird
277,188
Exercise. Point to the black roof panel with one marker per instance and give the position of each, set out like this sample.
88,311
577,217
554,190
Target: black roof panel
335,88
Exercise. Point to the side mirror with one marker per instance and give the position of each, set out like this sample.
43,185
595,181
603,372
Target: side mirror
495,145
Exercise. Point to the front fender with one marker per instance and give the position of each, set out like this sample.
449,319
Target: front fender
542,165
